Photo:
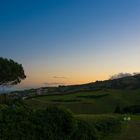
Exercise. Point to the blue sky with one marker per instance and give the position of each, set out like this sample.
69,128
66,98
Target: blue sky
81,40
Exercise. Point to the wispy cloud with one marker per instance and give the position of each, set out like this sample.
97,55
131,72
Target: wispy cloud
60,77
53,84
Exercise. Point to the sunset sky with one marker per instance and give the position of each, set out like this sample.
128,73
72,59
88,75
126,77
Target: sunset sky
70,41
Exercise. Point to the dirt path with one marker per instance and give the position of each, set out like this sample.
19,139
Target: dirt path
132,132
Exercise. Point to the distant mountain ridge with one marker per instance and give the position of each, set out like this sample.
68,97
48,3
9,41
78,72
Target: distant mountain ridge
129,82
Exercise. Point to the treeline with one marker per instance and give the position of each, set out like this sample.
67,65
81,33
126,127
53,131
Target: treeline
17,122
129,82
8,100
133,109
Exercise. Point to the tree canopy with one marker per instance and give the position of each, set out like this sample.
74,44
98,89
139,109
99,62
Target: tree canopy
11,73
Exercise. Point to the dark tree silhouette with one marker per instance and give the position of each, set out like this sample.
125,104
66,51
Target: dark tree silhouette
117,109
11,73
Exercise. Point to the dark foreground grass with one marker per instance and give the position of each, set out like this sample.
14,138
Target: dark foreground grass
133,129
108,126
127,130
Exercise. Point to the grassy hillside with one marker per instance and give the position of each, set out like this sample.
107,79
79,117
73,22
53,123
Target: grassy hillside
89,102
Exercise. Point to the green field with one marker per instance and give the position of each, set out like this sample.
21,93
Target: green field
97,105
95,102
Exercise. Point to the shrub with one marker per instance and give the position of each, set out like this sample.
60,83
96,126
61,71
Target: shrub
84,131
58,123
22,123
135,109
118,109
108,126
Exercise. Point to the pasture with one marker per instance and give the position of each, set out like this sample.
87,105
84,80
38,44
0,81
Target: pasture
94,102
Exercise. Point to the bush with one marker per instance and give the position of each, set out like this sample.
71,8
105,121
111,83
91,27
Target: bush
135,109
22,123
58,123
108,126
118,109
85,131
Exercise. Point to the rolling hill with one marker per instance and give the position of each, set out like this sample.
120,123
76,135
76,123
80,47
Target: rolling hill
92,98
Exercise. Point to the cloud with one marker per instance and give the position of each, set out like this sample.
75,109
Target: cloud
53,84
60,77
121,75
135,73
